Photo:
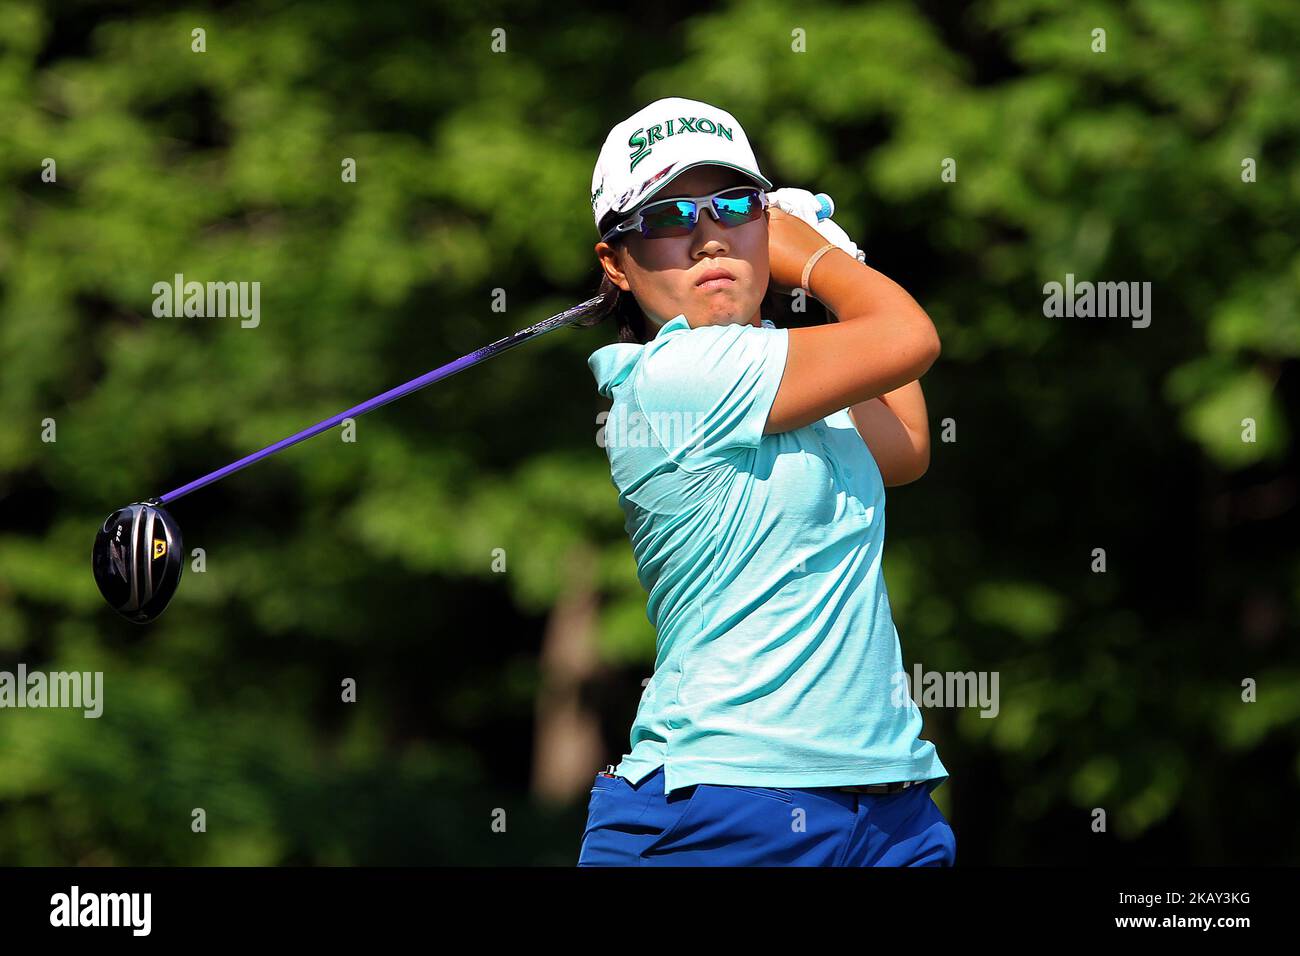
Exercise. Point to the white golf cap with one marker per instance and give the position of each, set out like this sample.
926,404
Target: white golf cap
647,150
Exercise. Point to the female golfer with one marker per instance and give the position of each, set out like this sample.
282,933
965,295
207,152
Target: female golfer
751,462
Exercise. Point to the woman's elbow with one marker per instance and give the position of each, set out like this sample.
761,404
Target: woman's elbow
928,347
920,345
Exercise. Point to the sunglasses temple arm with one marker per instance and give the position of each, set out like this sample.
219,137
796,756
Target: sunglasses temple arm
567,317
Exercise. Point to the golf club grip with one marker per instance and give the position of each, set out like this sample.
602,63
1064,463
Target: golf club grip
564,318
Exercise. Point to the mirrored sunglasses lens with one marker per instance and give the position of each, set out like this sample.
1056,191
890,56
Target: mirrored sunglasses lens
738,206
668,219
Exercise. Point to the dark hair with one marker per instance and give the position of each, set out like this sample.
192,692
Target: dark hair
626,313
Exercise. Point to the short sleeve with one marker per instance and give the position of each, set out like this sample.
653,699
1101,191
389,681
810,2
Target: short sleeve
706,392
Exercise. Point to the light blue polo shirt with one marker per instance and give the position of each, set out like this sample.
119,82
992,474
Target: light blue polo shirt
776,653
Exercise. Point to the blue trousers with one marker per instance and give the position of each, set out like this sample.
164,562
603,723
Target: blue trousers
714,825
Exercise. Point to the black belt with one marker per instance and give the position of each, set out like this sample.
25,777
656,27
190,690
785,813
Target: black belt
894,787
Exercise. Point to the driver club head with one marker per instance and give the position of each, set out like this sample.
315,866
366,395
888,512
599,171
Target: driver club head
137,560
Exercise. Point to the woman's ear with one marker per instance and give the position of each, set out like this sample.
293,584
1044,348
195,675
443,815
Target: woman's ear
611,261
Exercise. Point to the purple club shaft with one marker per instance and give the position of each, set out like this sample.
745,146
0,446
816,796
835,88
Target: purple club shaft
414,385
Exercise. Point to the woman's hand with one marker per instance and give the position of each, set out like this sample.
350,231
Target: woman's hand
791,242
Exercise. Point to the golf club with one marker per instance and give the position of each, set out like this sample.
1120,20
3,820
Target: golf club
138,554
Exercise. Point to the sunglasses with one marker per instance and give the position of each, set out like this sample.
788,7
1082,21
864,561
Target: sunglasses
733,206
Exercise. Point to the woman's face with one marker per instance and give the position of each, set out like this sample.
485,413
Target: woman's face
664,274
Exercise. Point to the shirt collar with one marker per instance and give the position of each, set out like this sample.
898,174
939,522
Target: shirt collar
612,364
675,324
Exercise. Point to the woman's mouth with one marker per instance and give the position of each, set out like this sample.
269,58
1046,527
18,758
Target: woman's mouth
715,279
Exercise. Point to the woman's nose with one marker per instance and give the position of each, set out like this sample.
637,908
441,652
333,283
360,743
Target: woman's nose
709,232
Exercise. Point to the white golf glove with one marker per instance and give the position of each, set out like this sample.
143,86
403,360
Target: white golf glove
802,203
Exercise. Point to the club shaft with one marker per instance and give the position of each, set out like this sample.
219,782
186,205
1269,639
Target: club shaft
564,318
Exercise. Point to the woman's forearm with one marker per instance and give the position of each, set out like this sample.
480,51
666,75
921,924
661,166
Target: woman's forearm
895,429
882,341
908,403
894,425
855,292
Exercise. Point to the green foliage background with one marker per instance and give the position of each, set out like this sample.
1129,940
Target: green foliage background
372,560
